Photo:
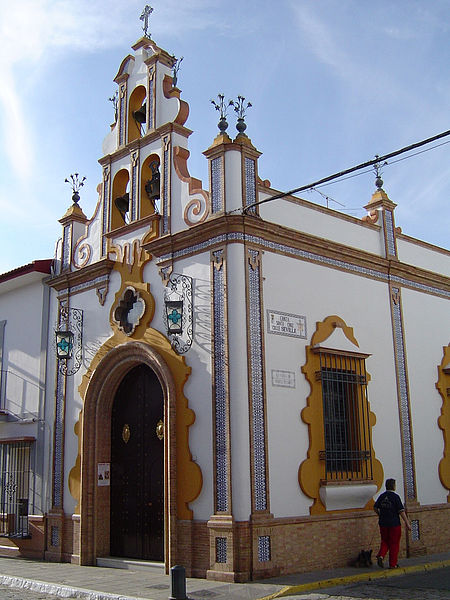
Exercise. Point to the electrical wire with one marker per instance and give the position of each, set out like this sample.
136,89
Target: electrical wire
387,163
376,160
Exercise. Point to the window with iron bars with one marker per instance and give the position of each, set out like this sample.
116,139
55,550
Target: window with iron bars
347,453
15,469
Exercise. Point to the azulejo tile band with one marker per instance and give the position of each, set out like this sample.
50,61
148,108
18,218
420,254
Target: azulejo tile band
216,184
390,234
151,86
105,217
250,184
256,377
264,548
165,220
221,549
405,421
220,384
241,237
59,437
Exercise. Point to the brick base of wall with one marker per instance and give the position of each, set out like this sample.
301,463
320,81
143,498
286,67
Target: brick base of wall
255,550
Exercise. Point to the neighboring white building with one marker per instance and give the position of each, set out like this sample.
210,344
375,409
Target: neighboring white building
25,433
243,376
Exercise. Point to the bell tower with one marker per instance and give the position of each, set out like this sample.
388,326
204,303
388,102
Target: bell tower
149,119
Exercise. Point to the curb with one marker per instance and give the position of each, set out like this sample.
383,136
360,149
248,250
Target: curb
292,590
56,589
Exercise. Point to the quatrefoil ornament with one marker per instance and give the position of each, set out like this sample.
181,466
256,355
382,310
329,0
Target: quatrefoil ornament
129,311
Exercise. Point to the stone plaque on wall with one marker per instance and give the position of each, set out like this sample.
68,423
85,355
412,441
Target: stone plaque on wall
283,378
281,323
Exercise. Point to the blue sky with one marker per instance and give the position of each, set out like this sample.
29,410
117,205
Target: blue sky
332,84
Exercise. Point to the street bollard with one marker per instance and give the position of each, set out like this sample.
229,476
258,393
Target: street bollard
178,583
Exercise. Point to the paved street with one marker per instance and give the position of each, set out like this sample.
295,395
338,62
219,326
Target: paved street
419,578
433,585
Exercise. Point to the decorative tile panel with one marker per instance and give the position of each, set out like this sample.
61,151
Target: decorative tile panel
217,184
295,252
122,114
151,91
220,383
86,285
165,202
390,237
256,376
67,246
264,548
415,531
405,418
250,184
54,535
221,549
134,185
59,438
105,216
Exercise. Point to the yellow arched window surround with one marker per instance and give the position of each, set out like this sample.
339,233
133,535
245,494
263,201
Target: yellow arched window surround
443,386
338,416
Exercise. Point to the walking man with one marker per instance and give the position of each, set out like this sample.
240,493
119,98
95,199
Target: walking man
390,509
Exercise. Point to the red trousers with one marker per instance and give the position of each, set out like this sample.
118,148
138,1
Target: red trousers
390,542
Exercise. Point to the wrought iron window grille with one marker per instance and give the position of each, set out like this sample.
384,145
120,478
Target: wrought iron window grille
347,453
15,473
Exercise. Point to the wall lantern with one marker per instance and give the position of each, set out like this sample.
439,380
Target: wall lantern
174,312
64,344
68,339
178,312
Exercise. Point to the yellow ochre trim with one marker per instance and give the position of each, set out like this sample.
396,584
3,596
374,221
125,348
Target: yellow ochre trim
312,470
443,386
188,474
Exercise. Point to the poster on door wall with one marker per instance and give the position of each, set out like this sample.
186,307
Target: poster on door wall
103,471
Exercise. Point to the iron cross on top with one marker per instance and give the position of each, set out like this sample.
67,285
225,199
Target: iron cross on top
144,17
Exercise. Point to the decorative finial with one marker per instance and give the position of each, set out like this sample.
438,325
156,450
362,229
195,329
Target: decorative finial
144,17
377,168
175,69
76,186
222,107
115,101
240,109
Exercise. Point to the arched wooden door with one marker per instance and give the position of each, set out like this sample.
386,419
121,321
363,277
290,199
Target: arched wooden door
137,467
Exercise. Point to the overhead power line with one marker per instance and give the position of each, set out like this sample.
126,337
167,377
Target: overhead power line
369,163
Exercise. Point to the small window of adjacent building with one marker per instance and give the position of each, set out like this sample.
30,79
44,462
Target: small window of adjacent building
15,472
2,370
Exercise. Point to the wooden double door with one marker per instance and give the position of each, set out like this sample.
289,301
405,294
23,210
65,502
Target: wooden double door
137,467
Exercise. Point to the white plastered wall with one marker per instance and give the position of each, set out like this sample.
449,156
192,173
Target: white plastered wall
323,223
24,362
21,308
303,288
96,330
427,331
198,387
420,255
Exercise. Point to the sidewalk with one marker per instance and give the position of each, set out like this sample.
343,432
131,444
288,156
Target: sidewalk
151,583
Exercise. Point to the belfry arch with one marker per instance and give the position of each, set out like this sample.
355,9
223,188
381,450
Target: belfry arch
96,447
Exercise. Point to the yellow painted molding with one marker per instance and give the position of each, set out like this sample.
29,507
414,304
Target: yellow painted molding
189,476
443,387
130,263
312,470
75,472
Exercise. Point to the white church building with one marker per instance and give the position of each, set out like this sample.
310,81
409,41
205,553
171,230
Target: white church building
199,378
